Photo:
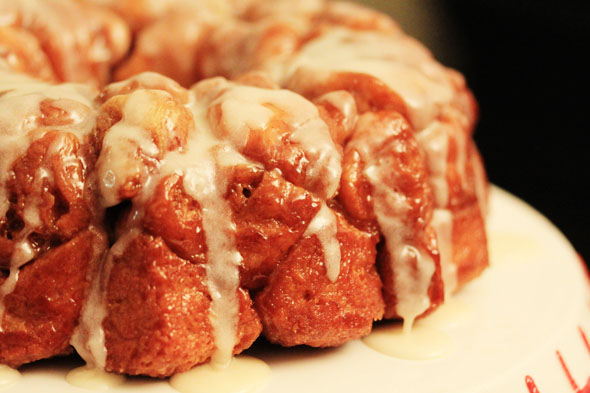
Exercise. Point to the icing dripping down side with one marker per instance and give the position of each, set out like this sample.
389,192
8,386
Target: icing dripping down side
325,228
223,258
244,109
434,141
205,181
22,122
89,337
122,144
213,146
402,64
411,264
7,288
442,223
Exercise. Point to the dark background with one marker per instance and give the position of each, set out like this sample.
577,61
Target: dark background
526,63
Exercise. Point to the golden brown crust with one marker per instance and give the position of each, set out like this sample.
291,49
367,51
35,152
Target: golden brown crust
176,57
300,305
67,204
271,215
21,52
157,320
44,308
81,41
158,302
406,176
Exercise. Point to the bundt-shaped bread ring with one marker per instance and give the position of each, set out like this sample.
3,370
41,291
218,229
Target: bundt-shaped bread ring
330,181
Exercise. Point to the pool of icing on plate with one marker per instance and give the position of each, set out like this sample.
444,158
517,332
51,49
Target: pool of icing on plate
93,378
428,338
243,374
8,376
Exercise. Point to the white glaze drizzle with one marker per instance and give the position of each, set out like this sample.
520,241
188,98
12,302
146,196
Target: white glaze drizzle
325,228
201,163
434,141
88,338
124,143
391,209
397,60
20,114
206,184
411,72
204,180
245,108
344,102
442,223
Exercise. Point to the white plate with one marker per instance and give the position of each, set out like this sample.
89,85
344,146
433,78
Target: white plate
532,302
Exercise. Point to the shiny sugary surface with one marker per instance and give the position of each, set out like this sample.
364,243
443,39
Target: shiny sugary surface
304,198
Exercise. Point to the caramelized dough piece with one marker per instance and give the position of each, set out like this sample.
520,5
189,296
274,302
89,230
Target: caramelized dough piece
82,41
370,93
241,47
137,130
356,17
146,80
177,39
300,305
65,203
158,312
277,128
206,45
43,310
139,13
469,243
469,232
458,179
50,223
21,52
49,182
176,217
399,200
271,215
229,38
